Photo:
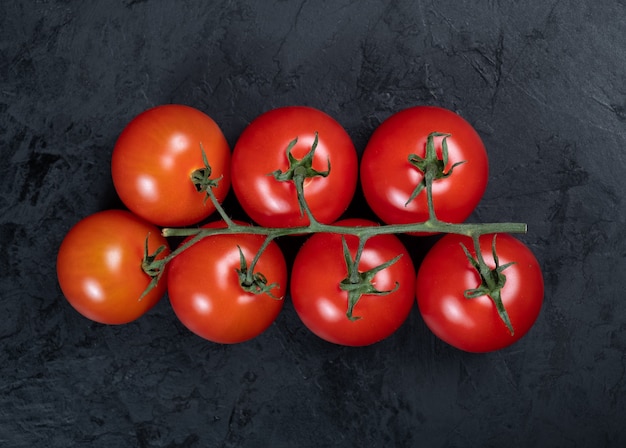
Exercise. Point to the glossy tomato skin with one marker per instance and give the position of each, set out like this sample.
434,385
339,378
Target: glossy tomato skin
388,179
154,157
318,269
99,266
261,150
473,325
205,294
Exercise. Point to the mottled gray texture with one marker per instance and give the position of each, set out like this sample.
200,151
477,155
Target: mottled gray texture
543,82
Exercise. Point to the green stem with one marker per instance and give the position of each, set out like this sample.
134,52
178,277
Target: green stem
229,222
430,177
467,229
357,257
257,256
298,180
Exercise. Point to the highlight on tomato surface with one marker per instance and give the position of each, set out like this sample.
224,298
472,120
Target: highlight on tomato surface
474,311
348,301
99,266
218,294
396,162
159,165
283,143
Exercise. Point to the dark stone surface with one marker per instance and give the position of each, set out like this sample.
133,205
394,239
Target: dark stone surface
544,83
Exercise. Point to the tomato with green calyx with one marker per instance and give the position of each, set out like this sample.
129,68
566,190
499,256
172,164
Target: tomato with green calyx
100,266
159,165
216,292
347,301
479,303
278,145
397,161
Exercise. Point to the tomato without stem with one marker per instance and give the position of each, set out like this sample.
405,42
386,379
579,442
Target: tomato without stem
321,303
388,178
154,158
205,291
262,150
99,266
473,324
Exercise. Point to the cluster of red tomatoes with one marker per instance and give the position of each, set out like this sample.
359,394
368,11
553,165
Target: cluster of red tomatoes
101,262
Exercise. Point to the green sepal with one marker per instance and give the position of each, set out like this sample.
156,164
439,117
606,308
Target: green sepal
304,166
152,267
201,177
253,282
431,166
358,283
492,280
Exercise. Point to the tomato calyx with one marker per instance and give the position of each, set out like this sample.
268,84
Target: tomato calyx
153,266
201,178
299,170
492,279
302,167
358,283
431,166
254,282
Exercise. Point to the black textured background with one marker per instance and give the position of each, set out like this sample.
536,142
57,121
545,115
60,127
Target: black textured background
544,83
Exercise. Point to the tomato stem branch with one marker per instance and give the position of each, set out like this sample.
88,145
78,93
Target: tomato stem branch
429,176
467,229
229,222
298,180
266,242
357,256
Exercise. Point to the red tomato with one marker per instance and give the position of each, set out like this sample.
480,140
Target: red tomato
261,150
318,270
388,179
99,266
206,294
154,158
474,325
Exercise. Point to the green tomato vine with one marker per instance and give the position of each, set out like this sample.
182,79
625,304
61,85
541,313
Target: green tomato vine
356,283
